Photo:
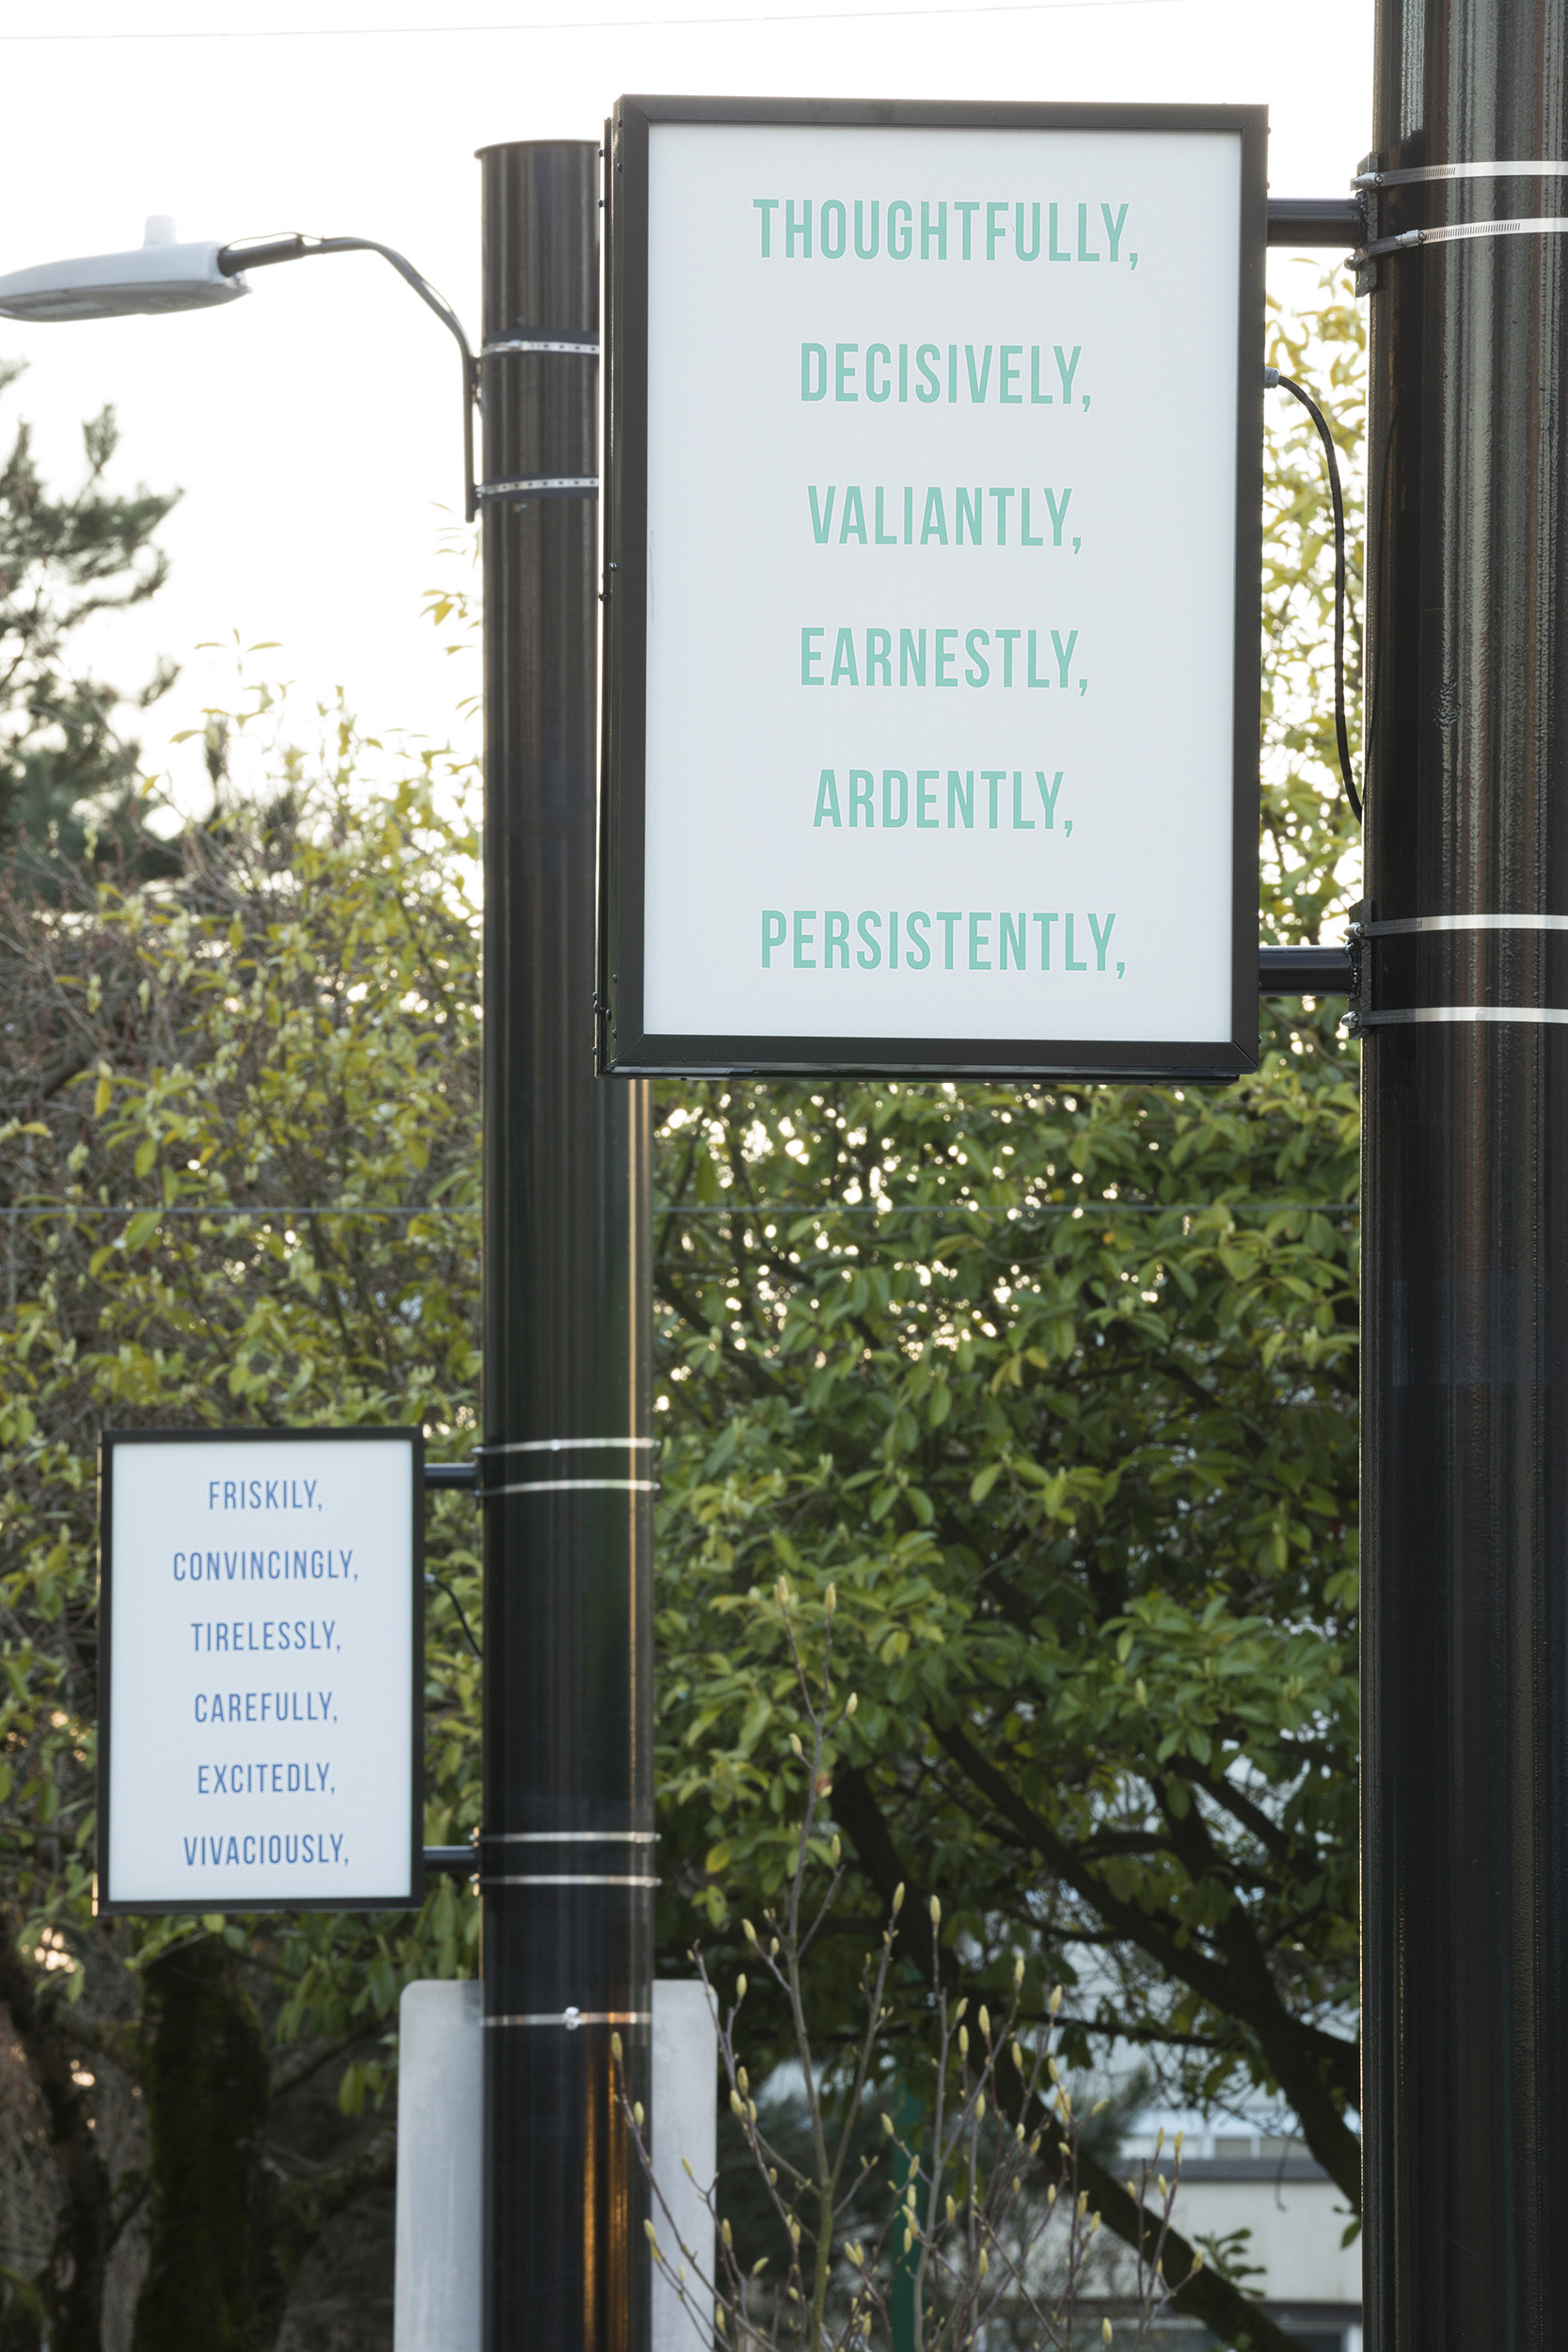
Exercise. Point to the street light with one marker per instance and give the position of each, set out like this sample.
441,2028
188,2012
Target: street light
566,1870
162,273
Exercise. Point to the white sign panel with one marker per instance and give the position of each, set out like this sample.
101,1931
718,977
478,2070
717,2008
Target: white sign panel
934,615
261,1612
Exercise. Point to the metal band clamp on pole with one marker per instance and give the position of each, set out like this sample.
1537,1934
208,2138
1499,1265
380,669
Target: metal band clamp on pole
1405,924
1432,175
581,349
1460,231
1399,1016
541,485
1428,925
1418,174
573,2018
570,1837
564,1445
569,1485
568,1877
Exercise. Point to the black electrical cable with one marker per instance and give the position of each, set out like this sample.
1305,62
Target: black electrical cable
442,1587
1271,377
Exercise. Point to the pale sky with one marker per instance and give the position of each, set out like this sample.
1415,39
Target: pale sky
315,426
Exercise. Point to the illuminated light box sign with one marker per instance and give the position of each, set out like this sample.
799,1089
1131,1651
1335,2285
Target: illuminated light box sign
933,558
261,1615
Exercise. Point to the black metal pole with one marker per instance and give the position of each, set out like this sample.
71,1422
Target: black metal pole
1465,1201
567,1847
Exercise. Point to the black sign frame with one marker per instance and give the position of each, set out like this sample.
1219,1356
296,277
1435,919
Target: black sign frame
409,1899
625,1046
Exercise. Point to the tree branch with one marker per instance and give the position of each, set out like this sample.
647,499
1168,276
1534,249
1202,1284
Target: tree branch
73,2283
1210,2296
1254,2003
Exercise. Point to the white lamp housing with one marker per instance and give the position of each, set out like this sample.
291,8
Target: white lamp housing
161,275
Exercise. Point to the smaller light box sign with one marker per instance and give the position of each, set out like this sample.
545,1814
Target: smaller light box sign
932,539
261,1615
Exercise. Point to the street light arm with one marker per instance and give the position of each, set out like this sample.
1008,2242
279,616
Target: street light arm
261,252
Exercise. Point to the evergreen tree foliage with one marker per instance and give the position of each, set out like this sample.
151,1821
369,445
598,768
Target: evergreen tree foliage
69,771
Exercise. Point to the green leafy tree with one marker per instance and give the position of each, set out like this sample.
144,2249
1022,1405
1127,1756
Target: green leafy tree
1056,1385
221,1099
70,774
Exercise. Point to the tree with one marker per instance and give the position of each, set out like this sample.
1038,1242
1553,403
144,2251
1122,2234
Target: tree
1057,1387
67,770
966,2208
238,1167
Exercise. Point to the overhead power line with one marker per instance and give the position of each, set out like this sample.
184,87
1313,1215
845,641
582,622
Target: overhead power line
592,24
792,1210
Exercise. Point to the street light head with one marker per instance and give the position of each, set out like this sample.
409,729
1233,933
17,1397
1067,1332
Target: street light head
165,275
159,275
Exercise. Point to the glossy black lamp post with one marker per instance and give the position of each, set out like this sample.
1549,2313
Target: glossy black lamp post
1465,1083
